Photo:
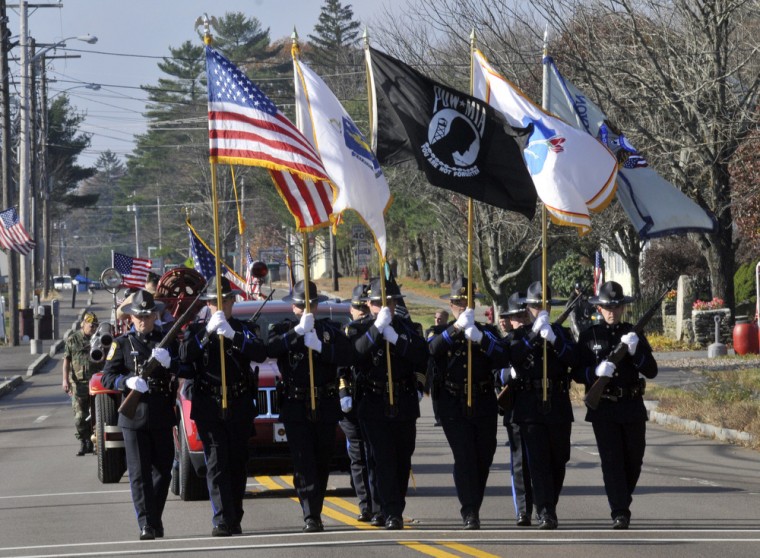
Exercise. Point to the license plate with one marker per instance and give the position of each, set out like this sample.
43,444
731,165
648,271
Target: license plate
278,430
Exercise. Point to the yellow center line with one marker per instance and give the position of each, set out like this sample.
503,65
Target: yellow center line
469,550
268,482
427,549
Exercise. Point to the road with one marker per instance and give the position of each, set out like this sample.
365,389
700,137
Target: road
696,498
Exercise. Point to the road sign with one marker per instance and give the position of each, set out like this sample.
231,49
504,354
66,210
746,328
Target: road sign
358,233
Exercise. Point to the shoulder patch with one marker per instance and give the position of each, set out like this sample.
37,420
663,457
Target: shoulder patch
111,351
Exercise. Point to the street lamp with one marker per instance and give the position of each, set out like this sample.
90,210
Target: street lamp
134,208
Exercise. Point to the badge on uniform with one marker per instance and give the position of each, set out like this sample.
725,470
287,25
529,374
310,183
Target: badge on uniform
325,336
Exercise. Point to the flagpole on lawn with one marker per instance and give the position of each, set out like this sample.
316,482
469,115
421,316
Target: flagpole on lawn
381,257
544,236
217,259
294,52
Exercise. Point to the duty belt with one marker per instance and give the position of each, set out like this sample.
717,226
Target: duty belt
616,393
527,385
381,388
233,390
456,389
299,393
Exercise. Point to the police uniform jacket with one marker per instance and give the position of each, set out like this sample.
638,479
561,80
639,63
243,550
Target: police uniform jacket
526,353
448,347
622,400
127,355
292,356
199,356
408,361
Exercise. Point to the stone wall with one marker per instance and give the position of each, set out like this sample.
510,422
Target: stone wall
703,325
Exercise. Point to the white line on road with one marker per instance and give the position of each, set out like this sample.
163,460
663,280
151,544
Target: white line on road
700,481
40,419
52,495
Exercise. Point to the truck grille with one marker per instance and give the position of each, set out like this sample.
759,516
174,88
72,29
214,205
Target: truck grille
267,404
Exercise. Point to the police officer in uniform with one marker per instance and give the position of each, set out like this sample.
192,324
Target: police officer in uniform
349,423
517,317
310,431
619,422
545,425
470,431
224,433
148,438
77,371
390,430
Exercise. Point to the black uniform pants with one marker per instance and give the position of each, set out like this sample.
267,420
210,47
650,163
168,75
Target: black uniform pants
150,454
357,455
621,449
225,448
473,444
548,451
522,491
311,445
391,446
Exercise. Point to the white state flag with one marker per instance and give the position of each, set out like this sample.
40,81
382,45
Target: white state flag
573,172
345,152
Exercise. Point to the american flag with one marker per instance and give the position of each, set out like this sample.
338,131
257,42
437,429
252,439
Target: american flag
205,261
134,271
247,128
12,233
598,272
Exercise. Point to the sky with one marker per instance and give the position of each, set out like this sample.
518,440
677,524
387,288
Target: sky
133,36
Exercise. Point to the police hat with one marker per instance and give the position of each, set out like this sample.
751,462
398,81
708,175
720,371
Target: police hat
359,296
514,305
209,293
299,294
374,292
534,295
610,294
459,290
143,304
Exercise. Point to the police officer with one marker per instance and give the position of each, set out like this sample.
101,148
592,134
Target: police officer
77,371
301,347
349,423
390,429
223,432
516,317
619,422
544,423
470,430
148,438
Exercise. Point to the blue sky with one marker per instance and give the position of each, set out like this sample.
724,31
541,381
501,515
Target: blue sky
132,35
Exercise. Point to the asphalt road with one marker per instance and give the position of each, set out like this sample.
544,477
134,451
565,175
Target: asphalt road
695,498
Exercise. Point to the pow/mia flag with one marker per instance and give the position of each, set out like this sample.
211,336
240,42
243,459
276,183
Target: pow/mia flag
459,142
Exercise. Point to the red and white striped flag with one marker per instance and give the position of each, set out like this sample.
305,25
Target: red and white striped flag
247,128
598,272
13,236
134,271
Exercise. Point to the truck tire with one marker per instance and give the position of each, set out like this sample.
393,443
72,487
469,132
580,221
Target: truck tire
112,462
191,486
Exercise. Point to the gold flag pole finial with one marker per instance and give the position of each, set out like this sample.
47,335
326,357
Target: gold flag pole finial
207,23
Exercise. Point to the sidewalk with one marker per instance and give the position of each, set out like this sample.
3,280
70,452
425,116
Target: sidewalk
18,362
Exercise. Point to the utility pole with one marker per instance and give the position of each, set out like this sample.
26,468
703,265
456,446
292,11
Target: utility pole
45,182
158,205
23,150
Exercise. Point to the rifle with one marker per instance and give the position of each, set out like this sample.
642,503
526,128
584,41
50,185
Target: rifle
594,394
504,398
258,312
128,406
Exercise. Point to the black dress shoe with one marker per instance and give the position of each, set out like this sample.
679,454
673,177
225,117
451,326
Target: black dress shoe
90,446
621,522
364,517
547,523
236,529
312,525
221,530
523,520
471,523
159,532
147,533
378,520
394,523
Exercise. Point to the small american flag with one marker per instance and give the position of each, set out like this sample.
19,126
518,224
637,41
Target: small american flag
134,271
598,272
247,128
205,261
13,236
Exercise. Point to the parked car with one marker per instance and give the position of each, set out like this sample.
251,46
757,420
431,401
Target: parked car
269,452
62,282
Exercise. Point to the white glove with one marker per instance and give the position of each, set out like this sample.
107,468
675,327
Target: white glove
311,340
548,333
632,340
605,368
137,383
306,324
473,334
512,372
162,356
216,319
419,396
466,319
506,373
383,319
390,334
346,403
225,329
541,320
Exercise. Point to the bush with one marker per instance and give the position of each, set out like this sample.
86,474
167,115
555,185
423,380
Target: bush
744,283
568,271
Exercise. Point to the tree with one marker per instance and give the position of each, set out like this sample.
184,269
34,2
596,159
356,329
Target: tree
335,31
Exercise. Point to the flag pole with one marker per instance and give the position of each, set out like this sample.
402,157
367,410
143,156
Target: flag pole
217,260
373,141
294,52
470,241
544,236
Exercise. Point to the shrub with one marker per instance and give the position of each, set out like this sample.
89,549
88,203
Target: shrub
713,304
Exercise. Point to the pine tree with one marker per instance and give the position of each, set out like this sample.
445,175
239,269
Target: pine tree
335,34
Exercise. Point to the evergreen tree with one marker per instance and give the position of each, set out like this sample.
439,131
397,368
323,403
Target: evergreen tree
335,33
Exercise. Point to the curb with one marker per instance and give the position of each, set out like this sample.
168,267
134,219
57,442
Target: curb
9,384
698,428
